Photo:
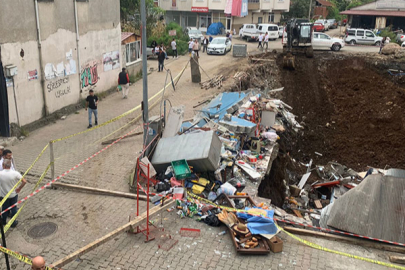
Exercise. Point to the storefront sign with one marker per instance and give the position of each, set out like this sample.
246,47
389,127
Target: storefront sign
172,33
199,9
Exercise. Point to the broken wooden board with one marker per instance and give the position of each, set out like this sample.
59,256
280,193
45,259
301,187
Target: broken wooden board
396,259
99,191
304,180
136,222
144,167
318,204
174,121
297,213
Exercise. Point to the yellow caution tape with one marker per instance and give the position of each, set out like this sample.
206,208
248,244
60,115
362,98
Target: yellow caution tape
118,117
20,257
316,246
19,182
19,210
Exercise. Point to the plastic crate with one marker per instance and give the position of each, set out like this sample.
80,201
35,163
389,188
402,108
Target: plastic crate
181,169
239,50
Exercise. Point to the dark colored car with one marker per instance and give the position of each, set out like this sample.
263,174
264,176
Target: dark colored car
318,27
332,23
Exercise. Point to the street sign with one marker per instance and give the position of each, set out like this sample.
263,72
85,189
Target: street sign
172,32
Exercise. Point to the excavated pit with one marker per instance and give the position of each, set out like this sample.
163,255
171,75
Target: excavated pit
352,113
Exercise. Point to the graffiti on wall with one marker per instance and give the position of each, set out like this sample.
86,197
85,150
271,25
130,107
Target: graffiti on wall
89,74
111,60
59,87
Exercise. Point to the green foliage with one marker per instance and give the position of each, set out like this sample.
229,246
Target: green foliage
387,33
181,39
298,9
334,13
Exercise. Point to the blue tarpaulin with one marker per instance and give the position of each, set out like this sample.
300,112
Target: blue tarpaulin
263,224
215,29
221,103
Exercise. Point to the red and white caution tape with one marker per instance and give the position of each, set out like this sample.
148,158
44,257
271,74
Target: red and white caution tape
67,172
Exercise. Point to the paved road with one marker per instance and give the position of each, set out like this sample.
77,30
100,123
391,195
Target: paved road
83,217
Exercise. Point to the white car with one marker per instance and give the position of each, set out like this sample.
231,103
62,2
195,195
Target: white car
281,30
325,23
271,29
323,41
195,33
219,45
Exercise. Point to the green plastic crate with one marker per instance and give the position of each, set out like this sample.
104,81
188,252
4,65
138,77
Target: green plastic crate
181,169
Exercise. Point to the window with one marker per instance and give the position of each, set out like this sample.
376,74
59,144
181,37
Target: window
351,32
305,31
253,1
133,51
360,33
370,34
260,20
272,28
260,27
316,35
324,36
271,17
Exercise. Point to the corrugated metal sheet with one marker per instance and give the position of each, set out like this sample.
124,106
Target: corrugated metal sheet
381,13
396,173
375,208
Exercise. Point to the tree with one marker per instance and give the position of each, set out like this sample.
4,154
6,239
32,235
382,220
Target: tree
298,9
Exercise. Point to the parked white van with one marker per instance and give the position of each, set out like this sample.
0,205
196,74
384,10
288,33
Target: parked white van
362,36
272,29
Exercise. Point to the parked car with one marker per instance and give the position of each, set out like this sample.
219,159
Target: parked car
333,24
318,27
272,29
195,33
281,30
249,31
219,45
401,37
324,41
324,22
362,36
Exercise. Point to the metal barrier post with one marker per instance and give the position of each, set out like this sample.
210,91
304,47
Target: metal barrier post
3,237
52,160
147,207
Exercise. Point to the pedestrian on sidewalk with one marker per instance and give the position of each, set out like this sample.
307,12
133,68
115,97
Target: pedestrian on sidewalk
382,44
8,179
190,46
161,60
230,36
91,103
174,48
123,81
164,50
205,44
7,154
196,48
266,41
38,263
260,38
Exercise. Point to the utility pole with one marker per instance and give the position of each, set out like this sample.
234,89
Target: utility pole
309,12
145,115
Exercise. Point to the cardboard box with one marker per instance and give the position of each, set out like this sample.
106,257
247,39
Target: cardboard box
276,244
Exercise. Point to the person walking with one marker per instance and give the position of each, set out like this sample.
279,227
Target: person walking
161,60
205,44
91,104
266,40
260,38
230,36
196,48
174,48
190,46
8,179
123,81
382,44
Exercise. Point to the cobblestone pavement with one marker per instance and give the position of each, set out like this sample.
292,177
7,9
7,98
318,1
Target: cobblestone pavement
83,217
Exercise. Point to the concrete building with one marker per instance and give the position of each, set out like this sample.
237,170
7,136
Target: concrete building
378,14
61,49
201,13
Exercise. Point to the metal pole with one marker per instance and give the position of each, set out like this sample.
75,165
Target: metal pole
52,160
15,102
3,237
147,208
309,12
77,41
144,72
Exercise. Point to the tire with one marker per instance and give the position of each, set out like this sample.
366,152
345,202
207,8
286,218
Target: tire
352,42
336,47
309,52
378,43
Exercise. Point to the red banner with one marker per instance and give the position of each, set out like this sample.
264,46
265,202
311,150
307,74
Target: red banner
199,9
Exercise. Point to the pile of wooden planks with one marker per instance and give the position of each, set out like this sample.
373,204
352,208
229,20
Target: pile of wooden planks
214,82
240,75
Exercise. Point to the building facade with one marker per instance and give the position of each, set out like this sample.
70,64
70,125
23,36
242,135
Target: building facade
378,15
201,13
60,50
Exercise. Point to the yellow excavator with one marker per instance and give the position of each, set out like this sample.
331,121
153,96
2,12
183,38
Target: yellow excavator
298,39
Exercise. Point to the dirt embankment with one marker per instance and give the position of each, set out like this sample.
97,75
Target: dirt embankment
353,114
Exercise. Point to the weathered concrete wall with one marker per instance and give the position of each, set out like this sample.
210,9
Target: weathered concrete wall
66,80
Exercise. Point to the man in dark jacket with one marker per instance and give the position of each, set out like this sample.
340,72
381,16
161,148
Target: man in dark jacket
161,59
123,81
205,44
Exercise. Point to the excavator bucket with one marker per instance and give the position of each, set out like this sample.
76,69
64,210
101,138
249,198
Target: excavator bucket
289,61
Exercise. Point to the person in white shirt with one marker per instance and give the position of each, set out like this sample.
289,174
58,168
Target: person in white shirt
8,179
174,48
190,46
260,38
7,154
266,40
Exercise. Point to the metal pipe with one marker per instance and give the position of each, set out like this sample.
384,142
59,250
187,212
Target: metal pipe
52,160
3,237
144,72
77,43
46,111
309,12
15,102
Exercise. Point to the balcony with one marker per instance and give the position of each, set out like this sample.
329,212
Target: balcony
253,4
